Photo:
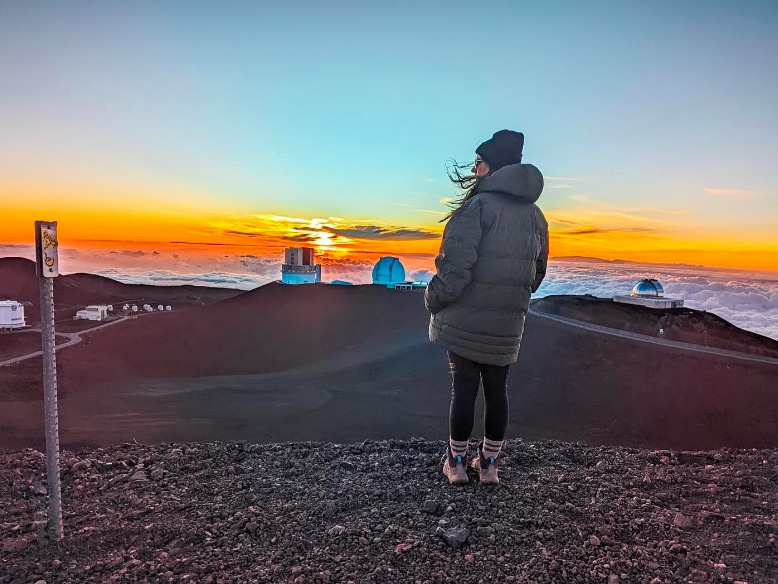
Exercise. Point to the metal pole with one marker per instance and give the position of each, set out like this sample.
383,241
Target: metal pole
51,415
47,265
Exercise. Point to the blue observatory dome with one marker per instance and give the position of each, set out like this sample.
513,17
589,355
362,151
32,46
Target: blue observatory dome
388,271
648,288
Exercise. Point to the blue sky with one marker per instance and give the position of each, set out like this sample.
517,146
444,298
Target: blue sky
646,117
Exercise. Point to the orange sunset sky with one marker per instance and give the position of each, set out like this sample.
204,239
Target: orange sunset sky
187,127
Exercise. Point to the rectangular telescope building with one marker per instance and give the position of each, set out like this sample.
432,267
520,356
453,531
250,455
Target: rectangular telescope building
299,266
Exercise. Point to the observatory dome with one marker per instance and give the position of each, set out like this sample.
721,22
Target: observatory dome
648,288
387,271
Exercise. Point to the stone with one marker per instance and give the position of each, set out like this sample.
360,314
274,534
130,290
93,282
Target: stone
346,465
336,530
594,540
157,474
82,465
689,458
455,537
139,476
402,547
677,548
430,506
16,545
682,520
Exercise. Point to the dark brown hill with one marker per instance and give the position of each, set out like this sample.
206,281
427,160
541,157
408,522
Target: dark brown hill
344,364
272,328
684,325
18,281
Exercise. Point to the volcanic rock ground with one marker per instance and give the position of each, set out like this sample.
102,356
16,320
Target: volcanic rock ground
383,512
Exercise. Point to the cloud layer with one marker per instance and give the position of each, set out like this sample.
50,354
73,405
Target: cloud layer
748,300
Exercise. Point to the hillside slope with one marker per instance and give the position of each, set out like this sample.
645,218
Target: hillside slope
18,281
685,325
345,363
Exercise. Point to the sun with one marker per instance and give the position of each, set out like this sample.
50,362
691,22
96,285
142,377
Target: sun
323,239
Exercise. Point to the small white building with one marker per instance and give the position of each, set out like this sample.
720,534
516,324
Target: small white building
92,312
11,314
300,266
408,286
649,292
390,272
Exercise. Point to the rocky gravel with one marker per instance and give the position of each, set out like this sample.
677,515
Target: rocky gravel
383,512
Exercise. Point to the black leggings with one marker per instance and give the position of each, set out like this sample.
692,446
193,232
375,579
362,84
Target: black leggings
466,376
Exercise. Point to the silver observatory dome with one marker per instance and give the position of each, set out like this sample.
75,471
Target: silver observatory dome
648,288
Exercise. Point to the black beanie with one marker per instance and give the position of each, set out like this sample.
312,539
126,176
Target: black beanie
502,149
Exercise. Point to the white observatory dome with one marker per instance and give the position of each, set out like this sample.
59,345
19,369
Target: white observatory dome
387,271
648,288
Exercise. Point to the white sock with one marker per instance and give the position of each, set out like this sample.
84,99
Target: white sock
458,447
491,448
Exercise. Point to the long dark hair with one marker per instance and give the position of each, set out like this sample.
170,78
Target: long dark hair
467,183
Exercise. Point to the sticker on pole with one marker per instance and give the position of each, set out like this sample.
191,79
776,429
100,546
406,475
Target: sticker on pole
47,259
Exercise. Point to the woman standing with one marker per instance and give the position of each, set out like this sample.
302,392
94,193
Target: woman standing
492,257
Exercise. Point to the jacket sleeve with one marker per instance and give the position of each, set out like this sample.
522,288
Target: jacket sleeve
454,263
541,264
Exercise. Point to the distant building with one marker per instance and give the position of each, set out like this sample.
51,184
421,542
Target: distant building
390,272
649,292
409,286
299,266
92,312
11,314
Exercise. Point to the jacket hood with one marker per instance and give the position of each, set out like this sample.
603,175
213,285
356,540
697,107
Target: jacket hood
521,180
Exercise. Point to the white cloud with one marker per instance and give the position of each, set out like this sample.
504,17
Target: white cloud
741,193
421,275
747,300
167,278
21,250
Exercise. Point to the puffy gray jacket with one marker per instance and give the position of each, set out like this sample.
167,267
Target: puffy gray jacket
493,256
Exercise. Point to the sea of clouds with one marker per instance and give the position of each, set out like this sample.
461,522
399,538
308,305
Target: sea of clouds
748,300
